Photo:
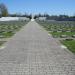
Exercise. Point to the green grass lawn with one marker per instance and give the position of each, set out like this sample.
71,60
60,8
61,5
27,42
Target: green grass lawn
58,34
63,26
8,34
70,44
55,26
8,29
2,42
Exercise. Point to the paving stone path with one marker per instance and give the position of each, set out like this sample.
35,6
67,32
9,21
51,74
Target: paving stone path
33,52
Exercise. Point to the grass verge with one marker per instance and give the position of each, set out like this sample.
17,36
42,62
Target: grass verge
2,42
70,44
58,34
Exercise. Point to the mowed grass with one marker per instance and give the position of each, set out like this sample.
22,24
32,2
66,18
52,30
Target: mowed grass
58,34
58,28
8,29
70,44
2,42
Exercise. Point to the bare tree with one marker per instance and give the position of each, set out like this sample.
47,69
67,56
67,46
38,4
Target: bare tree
3,10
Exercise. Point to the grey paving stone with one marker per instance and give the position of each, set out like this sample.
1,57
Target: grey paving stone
33,52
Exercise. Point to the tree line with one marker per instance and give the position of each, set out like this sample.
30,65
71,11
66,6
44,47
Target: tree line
3,10
4,13
55,17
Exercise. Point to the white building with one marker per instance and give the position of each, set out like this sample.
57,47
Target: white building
13,18
9,19
42,18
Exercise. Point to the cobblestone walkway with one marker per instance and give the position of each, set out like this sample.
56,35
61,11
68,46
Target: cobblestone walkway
33,52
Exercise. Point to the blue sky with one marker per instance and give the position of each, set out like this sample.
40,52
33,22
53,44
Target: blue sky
52,7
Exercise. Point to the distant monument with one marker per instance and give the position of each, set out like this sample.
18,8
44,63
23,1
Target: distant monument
32,18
